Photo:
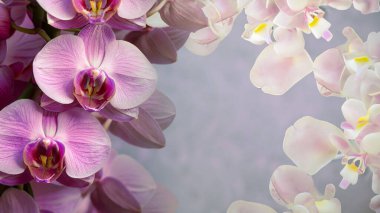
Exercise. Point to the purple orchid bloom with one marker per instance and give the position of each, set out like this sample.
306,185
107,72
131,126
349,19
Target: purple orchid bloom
124,14
72,143
95,69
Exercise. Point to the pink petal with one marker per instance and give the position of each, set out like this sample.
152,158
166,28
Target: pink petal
376,181
339,4
53,106
62,9
144,131
13,180
375,203
163,201
373,45
56,198
3,51
21,123
370,144
131,9
307,143
117,22
5,22
242,206
342,145
366,6
329,68
77,22
22,47
185,15
75,182
260,11
14,200
287,21
287,182
121,115
56,64
132,178
352,110
290,9
96,38
275,74
289,42
87,145
134,76
161,108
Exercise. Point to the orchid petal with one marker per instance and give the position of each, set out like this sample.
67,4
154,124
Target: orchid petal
185,15
242,206
121,115
163,201
117,22
373,45
161,108
53,106
376,181
75,182
87,145
275,74
366,6
307,143
287,182
143,132
352,110
260,10
96,38
131,9
339,4
132,177
77,22
370,144
13,180
21,124
375,203
5,22
289,42
14,200
56,64
6,86
134,76
62,9
56,198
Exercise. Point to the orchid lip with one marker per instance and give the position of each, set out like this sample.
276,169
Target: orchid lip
96,11
93,89
45,159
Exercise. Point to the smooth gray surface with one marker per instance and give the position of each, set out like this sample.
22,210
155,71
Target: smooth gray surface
227,137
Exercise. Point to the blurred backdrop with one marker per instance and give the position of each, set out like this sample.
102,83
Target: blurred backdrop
226,139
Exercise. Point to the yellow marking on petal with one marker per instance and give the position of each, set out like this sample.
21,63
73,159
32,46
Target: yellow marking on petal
362,121
93,6
361,60
352,167
99,5
260,27
43,160
314,22
321,203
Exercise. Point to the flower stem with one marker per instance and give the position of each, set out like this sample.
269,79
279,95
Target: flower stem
107,124
38,31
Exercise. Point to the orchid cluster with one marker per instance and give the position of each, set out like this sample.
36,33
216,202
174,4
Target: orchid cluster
73,70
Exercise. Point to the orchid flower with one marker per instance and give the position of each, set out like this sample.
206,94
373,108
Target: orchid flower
49,144
294,189
367,6
95,69
67,14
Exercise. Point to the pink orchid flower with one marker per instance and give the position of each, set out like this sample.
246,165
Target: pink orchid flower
95,69
14,200
50,144
367,6
65,14
294,189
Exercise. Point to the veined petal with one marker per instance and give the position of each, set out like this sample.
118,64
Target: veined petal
289,42
134,76
132,178
14,200
56,198
96,38
77,22
161,108
131,9
87,145
6,86
275,74
307,143
56,64
13,180
121,115
5,22
287,182
62,9
21,123
242,206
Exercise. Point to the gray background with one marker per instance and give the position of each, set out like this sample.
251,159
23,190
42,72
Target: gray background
227,137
